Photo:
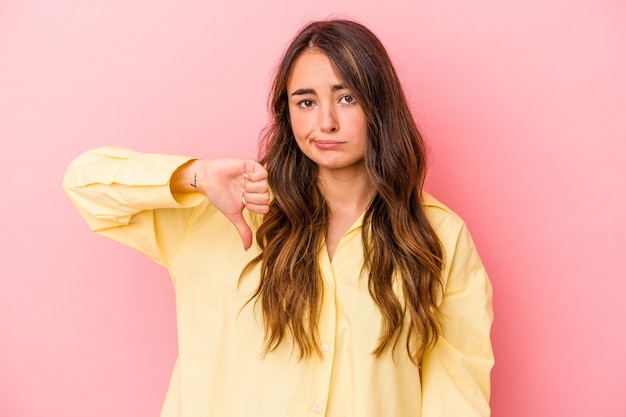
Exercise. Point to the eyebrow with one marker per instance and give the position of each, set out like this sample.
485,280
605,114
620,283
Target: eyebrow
303,91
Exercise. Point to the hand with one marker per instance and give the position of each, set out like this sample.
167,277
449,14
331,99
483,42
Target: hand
233,184
230,184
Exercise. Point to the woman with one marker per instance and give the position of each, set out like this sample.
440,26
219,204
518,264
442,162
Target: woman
360,294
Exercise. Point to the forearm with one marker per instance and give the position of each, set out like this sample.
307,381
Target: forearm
111,184
188,178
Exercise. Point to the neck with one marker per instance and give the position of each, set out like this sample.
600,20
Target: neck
346,190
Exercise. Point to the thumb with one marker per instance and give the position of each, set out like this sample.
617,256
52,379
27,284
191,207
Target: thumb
242,228
253,169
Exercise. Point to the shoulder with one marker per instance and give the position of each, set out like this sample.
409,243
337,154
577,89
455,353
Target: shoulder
446,223
462,264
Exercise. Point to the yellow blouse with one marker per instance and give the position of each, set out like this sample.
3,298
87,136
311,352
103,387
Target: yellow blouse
221,370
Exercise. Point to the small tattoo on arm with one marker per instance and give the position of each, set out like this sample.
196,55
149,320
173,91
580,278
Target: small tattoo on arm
194,184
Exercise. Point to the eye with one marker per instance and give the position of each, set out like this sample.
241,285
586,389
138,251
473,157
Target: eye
306,103
347,99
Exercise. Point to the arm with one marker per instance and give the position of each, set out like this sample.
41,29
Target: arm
456,372
141,200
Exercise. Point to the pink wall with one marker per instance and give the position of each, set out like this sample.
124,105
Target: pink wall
524,104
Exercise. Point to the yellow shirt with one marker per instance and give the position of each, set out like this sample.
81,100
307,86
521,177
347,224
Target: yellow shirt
221,370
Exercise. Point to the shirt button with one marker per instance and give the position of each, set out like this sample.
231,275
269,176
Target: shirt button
316,409
324,348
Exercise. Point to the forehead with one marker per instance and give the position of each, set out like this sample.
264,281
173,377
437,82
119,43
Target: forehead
311,69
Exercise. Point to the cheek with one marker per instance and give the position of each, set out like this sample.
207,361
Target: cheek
360,125
296,130
299,128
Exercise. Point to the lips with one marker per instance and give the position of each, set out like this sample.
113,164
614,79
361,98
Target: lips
328,144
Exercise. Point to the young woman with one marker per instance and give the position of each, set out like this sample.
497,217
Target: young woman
354,293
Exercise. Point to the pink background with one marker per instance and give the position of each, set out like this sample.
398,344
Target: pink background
524,105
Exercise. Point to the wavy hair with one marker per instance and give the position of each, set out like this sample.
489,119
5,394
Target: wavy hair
399,242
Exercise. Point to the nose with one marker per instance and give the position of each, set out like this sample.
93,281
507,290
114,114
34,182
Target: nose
328,120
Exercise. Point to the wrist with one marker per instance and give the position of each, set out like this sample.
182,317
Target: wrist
186,178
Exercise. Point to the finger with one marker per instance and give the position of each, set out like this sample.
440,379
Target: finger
258,208
250,186
254,171
262,198
256,202
242,228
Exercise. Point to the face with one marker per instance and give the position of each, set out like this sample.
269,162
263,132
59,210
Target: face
328,123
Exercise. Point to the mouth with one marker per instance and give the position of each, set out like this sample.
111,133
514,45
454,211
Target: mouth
328,144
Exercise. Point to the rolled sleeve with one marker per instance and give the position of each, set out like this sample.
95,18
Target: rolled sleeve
125,195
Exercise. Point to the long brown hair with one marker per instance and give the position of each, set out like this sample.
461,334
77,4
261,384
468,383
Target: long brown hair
399,242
